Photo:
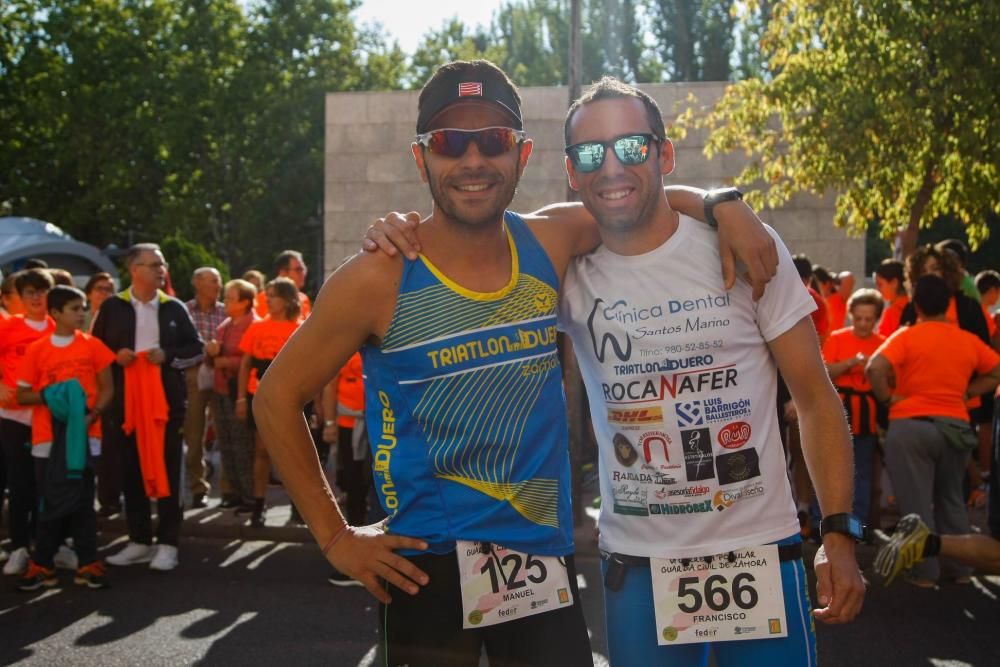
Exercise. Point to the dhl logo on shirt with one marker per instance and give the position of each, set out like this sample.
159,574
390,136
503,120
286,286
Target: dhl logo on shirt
652,415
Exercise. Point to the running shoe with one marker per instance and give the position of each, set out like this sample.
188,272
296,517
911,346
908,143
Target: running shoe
92,575
36,577
903,550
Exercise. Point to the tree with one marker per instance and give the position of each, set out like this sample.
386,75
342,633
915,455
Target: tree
891,105
139,120
695,38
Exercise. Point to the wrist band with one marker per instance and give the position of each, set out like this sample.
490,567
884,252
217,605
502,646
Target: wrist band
333,540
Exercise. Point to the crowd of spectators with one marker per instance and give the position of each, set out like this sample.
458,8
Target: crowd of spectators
162,382
915,363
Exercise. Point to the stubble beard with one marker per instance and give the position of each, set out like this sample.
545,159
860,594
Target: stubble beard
447,206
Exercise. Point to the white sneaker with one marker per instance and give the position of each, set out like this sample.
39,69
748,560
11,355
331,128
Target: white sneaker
17,563
65,559
133,553
166,558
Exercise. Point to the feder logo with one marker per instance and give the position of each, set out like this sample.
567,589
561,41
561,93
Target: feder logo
735,435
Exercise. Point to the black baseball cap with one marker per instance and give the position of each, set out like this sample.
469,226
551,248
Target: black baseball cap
468,80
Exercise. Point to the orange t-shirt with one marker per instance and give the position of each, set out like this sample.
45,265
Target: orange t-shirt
820,316
842,345
260,305
933,363
44,364
15,337
892,314
350,389
836,307
952,316
262,341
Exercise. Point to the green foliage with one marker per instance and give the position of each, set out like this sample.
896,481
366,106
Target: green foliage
529,39
184,257
892,105
695,38
202,118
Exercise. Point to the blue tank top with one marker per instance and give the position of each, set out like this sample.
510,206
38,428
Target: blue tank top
466,412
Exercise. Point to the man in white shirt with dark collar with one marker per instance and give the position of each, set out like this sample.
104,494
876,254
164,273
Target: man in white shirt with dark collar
144,320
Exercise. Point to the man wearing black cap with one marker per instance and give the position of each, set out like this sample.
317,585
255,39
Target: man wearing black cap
467,418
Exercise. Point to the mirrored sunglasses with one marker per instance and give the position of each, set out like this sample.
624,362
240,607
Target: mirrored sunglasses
491,141
631,150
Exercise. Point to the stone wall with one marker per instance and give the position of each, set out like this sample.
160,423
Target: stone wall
369,170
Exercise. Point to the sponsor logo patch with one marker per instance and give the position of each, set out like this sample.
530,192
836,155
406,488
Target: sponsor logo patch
697,446
738,466
689,414
624,451
734,435
635,416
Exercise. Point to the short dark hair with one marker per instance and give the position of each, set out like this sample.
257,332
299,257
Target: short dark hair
35,263
136,250
956,247
823,275
803,266
891,269
284,259
98,277
38,279
609,88
987,280
60,295
931,295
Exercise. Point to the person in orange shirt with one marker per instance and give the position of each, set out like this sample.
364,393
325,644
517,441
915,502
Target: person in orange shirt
889,282
288,264
66,355
10,302
16,333
835,290
929,440
261,344
846,352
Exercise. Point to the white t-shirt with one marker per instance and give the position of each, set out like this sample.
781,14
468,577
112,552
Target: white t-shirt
682,395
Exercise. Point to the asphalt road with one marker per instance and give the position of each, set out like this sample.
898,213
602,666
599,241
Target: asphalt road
268,603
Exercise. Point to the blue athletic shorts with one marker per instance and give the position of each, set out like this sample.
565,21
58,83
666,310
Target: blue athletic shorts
631,627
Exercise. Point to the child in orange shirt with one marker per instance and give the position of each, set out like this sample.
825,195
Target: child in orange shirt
16,333
73,361
261,344
846,352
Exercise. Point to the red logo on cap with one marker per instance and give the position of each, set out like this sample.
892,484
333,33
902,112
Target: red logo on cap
473,88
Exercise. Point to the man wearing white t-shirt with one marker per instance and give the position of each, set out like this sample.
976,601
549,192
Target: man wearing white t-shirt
698,529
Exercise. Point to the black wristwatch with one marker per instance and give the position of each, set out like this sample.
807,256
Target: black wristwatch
713,197
848,524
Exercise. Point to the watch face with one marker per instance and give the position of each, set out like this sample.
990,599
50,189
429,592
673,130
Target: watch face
855,527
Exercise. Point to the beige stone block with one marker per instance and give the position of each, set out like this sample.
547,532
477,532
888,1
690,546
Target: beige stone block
543,103
394,168
346,108
345,168
392,107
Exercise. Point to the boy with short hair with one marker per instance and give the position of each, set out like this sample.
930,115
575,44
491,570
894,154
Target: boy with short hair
67,377
16,333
